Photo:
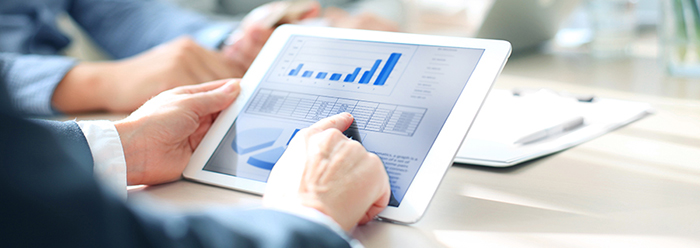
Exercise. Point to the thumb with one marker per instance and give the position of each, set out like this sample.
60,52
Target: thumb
378,206
258,34
196,88
214,100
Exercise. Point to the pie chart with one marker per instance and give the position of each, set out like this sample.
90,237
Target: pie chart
266,160
257,144
255,139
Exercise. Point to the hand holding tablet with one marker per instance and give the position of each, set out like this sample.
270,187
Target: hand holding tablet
413,97
159,138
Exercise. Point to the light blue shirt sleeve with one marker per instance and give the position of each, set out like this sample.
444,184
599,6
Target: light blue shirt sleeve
32,79
128,27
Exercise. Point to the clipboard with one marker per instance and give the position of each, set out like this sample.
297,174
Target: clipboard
490,141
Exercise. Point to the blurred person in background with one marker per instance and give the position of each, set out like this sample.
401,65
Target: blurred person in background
157,46
382,15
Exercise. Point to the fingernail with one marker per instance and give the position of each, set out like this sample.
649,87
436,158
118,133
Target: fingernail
231,86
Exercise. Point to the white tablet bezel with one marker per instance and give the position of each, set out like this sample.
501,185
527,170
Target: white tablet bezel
441,154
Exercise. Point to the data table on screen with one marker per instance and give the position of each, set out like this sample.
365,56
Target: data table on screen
369,115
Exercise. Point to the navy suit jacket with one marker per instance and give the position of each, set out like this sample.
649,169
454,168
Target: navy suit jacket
49,198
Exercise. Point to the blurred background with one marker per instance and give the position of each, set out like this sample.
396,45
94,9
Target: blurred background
640,46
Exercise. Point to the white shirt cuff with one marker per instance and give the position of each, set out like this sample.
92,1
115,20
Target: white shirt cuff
320,218
107,154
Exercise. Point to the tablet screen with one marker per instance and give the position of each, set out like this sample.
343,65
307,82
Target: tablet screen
399,94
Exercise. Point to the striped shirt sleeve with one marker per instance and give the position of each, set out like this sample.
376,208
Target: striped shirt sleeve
128,27
32,79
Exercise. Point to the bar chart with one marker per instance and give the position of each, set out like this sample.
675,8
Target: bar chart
358,66
352,77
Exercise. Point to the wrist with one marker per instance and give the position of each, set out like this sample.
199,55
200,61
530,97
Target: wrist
80,90
133,150
318,205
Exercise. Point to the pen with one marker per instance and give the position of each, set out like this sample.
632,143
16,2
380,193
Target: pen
579,97
551,131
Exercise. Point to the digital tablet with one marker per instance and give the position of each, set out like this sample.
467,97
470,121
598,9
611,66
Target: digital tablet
413,97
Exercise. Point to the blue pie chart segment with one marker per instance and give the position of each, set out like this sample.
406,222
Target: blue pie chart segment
266,160
255,139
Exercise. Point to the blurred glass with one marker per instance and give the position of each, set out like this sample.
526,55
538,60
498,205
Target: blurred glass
613,23
680,37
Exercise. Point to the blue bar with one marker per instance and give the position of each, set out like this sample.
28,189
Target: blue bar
294,133
336,76
365,78
307,74
351,77
368,74
294,72
388,67
321,75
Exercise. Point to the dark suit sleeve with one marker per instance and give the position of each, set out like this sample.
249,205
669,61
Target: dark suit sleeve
50,199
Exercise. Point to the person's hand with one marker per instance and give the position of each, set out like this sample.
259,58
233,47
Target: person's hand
159,138
325,170
245,46
245,43
341,19
124,85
